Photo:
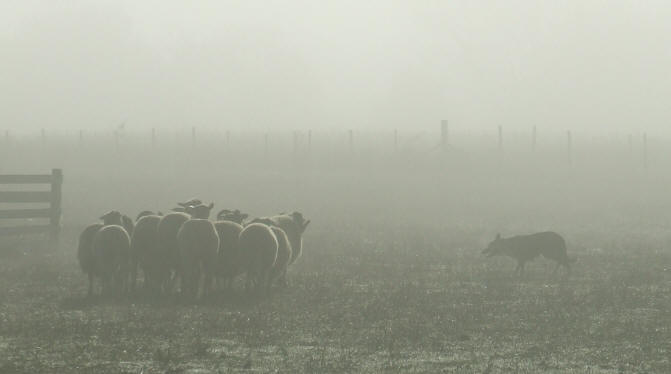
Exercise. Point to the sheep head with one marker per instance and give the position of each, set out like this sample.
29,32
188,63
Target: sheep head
201,211
112,217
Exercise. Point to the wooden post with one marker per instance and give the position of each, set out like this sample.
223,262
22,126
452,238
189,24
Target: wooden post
116,140
153,137
193,137
351,140
443,134
55,217
81,138
309,140
568,147
44,138
630,144
228,138
533,139
265,144
7,137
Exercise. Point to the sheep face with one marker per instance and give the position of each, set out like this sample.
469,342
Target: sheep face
200,211
191,202
495,248
112,218
232,215
300,221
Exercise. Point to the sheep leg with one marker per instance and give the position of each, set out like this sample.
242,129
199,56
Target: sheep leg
283,279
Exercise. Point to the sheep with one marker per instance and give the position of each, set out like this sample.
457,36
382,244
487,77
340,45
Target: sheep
111,245
232,215
86,255
115,218
147,213
229,260
198,244
201,211
258,245
524,248
146,253
294,225
166,233
112,217
279,270
190,202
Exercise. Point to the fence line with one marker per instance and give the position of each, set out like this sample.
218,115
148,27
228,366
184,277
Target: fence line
52,197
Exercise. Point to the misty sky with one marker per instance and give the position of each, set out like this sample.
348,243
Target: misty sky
318,64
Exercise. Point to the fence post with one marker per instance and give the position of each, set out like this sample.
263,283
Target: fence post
630,144
193,137
228,138
265,145
81,138
153,137
44,137
55,219
7,137
309,140
351,140
116,140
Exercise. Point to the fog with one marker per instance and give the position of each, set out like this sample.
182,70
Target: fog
591,66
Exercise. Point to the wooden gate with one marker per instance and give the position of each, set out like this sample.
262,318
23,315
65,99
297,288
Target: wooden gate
51,197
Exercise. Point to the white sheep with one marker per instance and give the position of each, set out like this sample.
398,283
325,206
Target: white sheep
229,259
232,215
198,244
146,253
168,227
111,245
86,255
294,225
201,211
258,246
279,270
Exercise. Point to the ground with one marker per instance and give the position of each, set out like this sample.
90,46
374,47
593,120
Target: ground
367,299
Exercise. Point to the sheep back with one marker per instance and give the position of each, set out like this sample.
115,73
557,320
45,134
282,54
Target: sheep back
167,230
229,259
283,253
258,246
112,245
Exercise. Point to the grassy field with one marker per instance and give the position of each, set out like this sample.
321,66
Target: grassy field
391,278
366,299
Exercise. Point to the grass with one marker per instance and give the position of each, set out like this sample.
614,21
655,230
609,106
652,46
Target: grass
364,303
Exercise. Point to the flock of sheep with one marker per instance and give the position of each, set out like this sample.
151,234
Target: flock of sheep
186,248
